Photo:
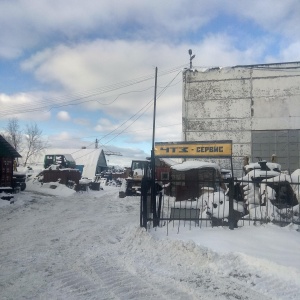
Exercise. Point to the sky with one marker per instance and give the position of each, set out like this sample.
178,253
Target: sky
85,70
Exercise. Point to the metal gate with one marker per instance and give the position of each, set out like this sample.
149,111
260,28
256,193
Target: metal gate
217,202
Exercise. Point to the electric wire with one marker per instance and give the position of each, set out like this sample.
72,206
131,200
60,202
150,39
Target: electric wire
78,98
141,111
145,129
81,97
147,107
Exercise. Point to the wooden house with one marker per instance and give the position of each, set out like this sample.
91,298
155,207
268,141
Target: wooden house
8,154
162,169
190,179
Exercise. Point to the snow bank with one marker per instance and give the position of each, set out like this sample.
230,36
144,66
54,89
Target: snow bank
50,188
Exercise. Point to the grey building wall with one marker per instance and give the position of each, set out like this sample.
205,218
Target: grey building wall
255,106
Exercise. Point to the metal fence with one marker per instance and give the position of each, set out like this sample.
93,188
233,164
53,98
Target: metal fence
214,202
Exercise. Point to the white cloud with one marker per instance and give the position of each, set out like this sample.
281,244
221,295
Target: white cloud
105,125
82,122
101,68
28,26
291,52
96,67
63,116
96,64
281,17
65,139
63,135
22,106
89,61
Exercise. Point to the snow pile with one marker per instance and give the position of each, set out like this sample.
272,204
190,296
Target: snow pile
217,205
50,188
256,256
6,198
257,166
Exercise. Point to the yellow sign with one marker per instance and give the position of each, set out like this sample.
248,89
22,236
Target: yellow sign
194,149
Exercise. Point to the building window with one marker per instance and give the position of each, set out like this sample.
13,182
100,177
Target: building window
164,175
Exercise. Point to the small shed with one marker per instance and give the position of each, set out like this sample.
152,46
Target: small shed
162,168
7,157
191,179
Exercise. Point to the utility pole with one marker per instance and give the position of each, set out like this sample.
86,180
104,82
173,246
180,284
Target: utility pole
149,182
153,192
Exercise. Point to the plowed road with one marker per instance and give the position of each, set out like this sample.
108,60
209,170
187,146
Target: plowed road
90,246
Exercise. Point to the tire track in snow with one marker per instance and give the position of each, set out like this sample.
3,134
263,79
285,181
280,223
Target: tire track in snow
76,285
77,249
125,285
104,279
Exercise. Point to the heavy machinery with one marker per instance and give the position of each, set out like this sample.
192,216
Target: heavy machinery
61,160
138,169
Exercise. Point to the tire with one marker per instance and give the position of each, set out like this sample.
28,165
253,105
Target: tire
23,186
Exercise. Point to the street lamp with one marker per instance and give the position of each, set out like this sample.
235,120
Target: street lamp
191,57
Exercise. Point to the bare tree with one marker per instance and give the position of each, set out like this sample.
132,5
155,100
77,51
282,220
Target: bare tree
34,142
13,133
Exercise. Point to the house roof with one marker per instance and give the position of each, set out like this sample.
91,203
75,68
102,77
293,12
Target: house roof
192,164
6,149
169,161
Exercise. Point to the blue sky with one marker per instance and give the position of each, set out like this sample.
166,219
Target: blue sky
85,69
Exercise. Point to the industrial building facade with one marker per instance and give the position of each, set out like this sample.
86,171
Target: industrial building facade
255,106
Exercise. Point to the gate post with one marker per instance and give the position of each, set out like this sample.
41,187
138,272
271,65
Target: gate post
144,204
231,214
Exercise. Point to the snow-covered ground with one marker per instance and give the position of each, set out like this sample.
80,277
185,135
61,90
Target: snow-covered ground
67,245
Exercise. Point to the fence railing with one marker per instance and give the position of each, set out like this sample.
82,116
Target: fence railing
233,203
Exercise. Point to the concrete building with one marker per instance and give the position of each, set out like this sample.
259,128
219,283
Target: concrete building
255,106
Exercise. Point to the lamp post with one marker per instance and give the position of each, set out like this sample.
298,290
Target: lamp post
191,57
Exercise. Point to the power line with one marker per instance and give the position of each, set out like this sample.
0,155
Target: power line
146,108
141,111
78,98
170,125
97,136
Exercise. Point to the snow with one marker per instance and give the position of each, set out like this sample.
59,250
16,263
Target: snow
89,246
192,164
259,174
5,188
171,161
49,188
270,165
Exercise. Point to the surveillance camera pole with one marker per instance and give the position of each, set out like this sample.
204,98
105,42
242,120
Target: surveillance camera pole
191,58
